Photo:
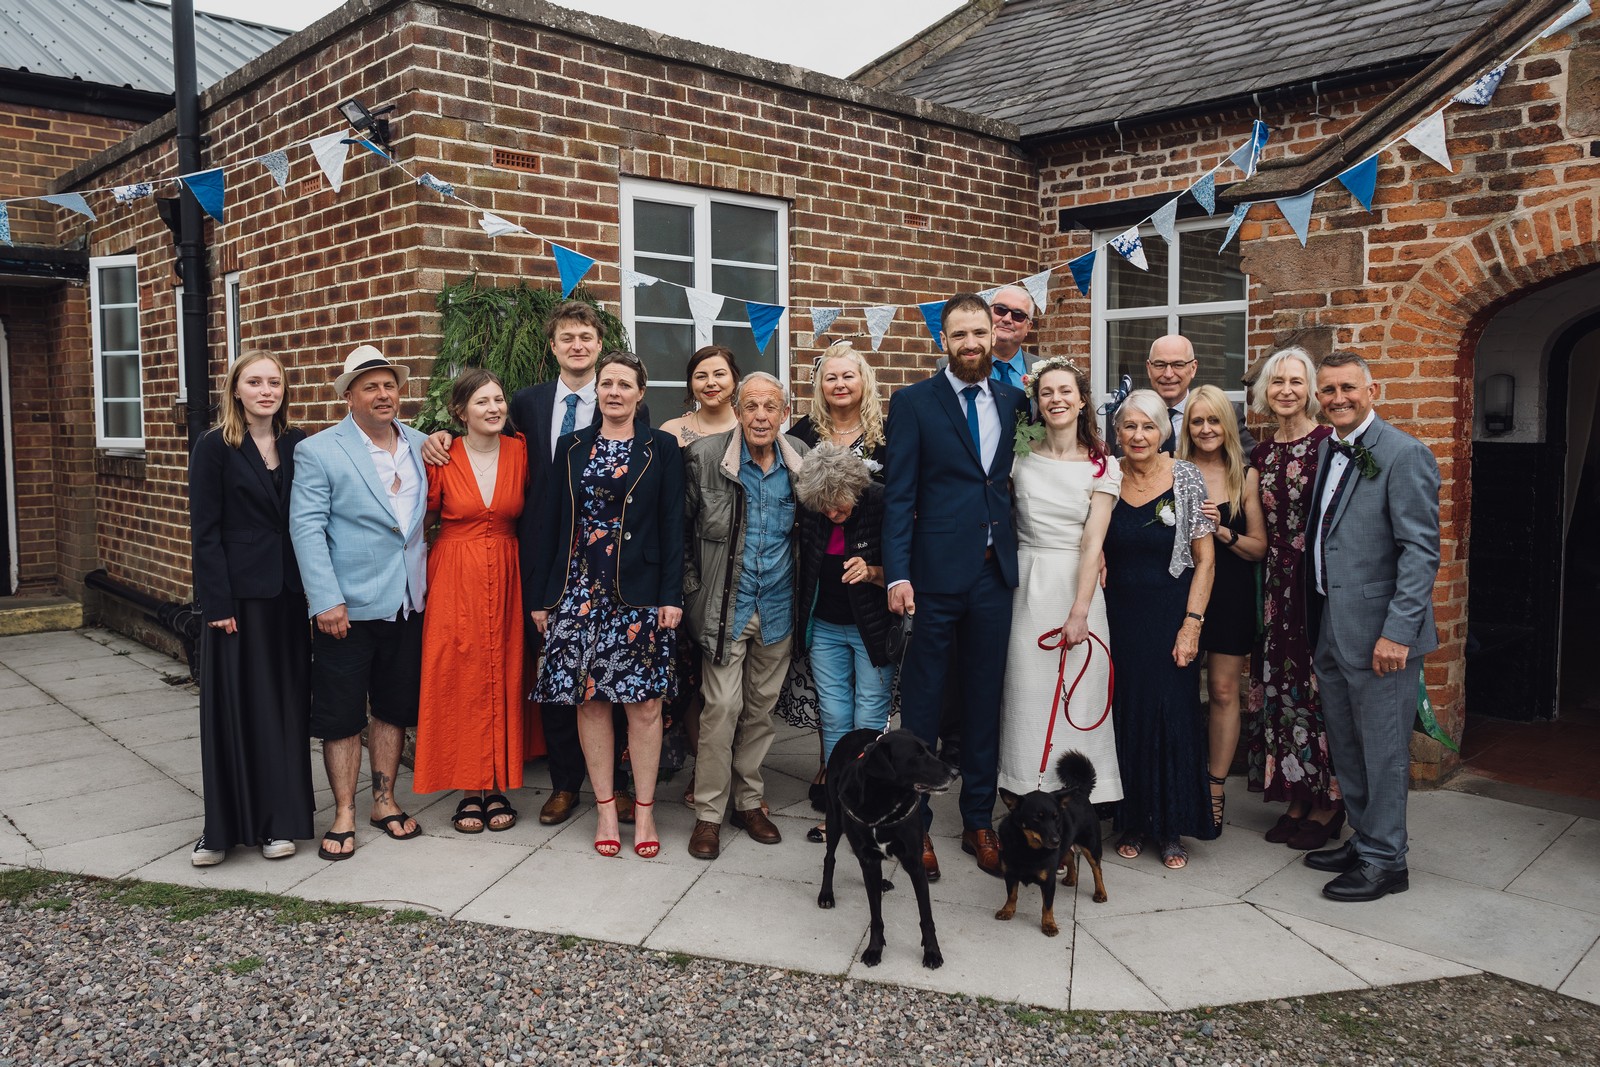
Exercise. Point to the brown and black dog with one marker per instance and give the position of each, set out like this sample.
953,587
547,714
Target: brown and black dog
1045,832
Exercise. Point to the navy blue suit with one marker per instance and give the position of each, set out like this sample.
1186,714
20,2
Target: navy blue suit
947,529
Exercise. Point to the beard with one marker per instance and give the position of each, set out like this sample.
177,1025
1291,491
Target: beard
972,372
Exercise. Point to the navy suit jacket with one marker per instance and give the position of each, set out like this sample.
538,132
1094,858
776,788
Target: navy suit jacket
940,506
239,523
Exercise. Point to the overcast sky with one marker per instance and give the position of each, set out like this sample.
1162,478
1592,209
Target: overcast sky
832,36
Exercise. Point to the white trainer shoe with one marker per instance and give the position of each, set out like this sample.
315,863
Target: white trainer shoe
277,848
206,857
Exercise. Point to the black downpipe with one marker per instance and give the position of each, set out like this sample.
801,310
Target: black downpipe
181,620
191,226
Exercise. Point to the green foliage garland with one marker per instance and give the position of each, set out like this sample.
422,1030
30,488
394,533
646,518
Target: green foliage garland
501,328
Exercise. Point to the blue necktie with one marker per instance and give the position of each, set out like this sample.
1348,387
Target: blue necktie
569,421
970,393
1004,371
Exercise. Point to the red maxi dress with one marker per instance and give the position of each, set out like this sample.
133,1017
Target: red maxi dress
469,720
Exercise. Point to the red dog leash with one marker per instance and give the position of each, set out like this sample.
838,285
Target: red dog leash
1050,642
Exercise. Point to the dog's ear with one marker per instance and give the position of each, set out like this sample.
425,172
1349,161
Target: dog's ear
1063,799
877,760
1011,799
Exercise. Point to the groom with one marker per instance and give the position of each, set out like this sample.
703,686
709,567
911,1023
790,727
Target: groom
1374,548
950,555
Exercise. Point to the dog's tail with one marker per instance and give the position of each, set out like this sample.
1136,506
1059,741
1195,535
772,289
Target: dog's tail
1076,774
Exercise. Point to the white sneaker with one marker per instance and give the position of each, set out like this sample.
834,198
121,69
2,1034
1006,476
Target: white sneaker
277,848
206,857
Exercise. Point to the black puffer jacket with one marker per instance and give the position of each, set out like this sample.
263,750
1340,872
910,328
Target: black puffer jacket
863,533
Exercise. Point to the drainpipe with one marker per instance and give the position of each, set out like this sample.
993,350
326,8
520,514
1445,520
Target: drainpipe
191,225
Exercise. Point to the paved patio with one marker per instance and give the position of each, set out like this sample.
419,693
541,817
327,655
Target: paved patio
100,775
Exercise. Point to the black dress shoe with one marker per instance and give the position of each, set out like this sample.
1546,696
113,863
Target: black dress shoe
1367,882
1338,860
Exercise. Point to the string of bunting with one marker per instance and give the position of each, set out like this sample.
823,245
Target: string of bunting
331,153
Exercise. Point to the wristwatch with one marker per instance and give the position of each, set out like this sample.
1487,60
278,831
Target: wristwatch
1195,616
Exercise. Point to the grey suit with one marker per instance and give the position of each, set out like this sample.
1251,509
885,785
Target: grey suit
1380,557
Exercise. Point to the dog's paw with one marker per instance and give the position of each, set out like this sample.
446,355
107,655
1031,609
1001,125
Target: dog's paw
1049,928
886,885
1005,913
933,959
824,900
1101,898
872,957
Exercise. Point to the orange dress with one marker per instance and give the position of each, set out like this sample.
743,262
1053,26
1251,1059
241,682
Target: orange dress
469,720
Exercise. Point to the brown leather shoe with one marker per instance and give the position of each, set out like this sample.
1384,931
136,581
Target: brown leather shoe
624,808
985,845
705,841
930,862
755,823
558,808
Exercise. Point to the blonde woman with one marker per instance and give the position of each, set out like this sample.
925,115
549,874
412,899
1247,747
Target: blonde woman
846,408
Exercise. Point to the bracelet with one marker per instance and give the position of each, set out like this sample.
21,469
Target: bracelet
1196,617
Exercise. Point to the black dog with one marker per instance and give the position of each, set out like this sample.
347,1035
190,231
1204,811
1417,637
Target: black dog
1045,832
875,789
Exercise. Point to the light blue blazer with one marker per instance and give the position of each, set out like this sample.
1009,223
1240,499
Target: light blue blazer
346,537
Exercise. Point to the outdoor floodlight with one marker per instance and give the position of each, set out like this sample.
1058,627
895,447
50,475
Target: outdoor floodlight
370,123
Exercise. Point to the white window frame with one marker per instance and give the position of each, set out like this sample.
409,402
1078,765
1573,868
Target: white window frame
101,440
183,369
732,312
230,302
1099,358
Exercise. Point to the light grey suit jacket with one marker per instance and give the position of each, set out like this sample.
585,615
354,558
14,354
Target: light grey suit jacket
346,537
1382,549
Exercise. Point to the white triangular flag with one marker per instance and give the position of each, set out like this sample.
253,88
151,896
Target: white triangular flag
632,279
495,226
1130,247
703,305
1165,220
331,152
1038,286
1577,11
878,320
822,318
988,294
1427,137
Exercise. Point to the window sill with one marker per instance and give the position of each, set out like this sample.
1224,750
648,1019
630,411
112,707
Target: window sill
119,463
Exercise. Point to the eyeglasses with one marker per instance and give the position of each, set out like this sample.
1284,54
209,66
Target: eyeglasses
1164,366
1014,314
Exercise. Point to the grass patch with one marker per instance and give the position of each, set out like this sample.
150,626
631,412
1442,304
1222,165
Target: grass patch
568,941
409,915
20,884
56,903
1351,1026
246,965
181,903
1070,1022
680,960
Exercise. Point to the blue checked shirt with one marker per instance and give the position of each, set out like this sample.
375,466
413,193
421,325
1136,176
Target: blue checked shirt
766,587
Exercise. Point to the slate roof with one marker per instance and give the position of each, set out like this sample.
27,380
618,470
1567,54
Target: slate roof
1053,66
121,43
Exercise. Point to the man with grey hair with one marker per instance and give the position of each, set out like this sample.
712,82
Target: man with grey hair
738,587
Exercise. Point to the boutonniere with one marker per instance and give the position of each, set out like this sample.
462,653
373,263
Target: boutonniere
1360,455
1027,434
1166,513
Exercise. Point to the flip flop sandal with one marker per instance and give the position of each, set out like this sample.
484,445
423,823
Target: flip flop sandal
498,804
469,810
337,838
387,825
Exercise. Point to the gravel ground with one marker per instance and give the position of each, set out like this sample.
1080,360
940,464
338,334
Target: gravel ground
137,973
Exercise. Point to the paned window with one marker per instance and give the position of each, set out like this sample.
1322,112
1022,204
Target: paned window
118,374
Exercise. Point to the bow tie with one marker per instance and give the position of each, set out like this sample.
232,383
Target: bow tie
1348,450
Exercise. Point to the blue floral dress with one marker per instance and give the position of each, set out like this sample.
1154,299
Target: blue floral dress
597,647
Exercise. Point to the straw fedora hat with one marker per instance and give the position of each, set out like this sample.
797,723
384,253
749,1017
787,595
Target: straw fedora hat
364,359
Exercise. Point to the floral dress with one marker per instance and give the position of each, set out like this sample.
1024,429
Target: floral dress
599,648
1286,745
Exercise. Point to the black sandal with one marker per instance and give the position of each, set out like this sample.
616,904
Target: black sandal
1219,804
498,804
470,809
388,823
337,838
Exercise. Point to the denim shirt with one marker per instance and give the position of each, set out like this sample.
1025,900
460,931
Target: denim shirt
766,586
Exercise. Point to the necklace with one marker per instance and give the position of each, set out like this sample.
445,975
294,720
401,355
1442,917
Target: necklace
849,433
493,452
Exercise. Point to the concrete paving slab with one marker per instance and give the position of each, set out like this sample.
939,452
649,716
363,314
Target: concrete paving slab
621,899
106,766
731,917
1519,937
65,648
119,855
1101,983
1568,872
426,872
1374,962
1584,981
1226,955
10,679
24,698
43,639
794,858
1476,839
1142,886
80,668
527,833
113,811
53,746
176,725
76,693
14,848
1247,811
245,868
176,759
1231,865
134,705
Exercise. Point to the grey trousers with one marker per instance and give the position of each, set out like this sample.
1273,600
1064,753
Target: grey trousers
736,728
1369,723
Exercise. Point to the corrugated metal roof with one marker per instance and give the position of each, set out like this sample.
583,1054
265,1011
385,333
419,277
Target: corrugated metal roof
124,43
1053,65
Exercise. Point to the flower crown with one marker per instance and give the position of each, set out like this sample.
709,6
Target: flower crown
1030,381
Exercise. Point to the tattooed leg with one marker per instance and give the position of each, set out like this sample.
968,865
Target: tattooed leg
384,741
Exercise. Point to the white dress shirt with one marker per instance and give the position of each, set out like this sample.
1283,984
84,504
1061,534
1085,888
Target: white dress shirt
1337,462
405,484
584,414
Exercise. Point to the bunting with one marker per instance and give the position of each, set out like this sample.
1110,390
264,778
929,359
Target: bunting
933,316
209,191
330,153
1577,11
822,318
1082,270
1481,91
1297,212
1038,286
495,226
703,306
1240,212
1247,155
571,265
1361,180
1204,192
1130,247
763,321
72,202
127,194
445,189
277,164
370,147
1165,220
1428,138
878,320
5,225
632,279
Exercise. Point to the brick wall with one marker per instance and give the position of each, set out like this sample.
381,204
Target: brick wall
41,144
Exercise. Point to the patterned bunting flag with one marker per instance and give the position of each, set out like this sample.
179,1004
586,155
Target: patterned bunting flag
1247,155
763,321
1362,180
127,194
1297,212
277,164
1204,192
1038,286
495,226
1165,220
572,266
933,315
632,279
1427,137
703,306
988,294
878,320
428,181
5,224
331,152
822,318
1130,247
209,191
1577,11
72,202
1240,212
1082,270
1481,91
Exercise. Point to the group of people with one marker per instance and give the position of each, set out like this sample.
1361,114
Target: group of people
719,569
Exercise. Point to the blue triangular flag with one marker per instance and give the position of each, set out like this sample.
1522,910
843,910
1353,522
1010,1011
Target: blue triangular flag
1204,192
572,265
72,202
933,315
1297,212
822,318
1234,222
1481,91
209,190
1362,180
370,147
1165,220
1130,246
1247,155
1082,270
763,321
5,225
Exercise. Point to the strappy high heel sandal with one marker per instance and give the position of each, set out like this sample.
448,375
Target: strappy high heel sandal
648,850
1219,802
608,847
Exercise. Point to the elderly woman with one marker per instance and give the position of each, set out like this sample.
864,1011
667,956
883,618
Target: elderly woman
255,686
1210,441
1158,551
844,615
845,407
1286,744
610,564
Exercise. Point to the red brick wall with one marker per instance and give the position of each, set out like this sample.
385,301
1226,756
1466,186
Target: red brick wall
41,144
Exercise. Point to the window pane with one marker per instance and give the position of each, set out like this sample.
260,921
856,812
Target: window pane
1128,347
118,285
1128,286
744,283
120,376
122,419
665,348
1218,345
665,401
665,228
119,329
742,343
1204,274
747,234
662,301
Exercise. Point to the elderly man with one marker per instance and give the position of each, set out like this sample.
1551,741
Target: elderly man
356,515
1172,366
738,585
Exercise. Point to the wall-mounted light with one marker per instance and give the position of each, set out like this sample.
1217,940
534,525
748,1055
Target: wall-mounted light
370,123
1499,402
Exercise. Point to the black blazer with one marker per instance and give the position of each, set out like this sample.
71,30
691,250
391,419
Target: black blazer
863,536
650,565
239,524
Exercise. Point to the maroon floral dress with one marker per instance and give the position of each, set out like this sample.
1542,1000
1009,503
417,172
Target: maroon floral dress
1286,745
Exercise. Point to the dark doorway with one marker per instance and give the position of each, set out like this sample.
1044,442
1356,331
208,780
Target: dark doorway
8,478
